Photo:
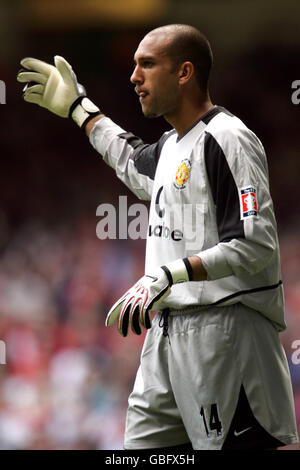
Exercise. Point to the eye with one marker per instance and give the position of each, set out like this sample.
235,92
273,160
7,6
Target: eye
147,64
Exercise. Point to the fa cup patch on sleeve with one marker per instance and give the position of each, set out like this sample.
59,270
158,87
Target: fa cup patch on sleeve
248,200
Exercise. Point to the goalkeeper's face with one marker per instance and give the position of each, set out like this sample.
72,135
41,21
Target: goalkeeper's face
155,78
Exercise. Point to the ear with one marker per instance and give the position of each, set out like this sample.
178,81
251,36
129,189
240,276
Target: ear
185,72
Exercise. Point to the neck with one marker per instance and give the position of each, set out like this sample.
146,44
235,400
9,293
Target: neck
188,114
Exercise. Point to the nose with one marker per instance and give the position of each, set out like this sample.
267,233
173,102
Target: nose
136,77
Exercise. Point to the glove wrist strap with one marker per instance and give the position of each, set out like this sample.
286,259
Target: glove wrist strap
178,271
83,110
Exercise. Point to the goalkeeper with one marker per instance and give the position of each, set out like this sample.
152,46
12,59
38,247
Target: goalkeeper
213,373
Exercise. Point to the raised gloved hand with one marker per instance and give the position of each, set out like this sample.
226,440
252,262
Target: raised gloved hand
134,307
56,88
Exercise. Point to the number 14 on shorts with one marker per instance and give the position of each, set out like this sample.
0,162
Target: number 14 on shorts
211,420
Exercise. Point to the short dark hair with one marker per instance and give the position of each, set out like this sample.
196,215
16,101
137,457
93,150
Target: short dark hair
189,44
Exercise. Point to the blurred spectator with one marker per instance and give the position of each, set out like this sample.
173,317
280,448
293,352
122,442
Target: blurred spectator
64,385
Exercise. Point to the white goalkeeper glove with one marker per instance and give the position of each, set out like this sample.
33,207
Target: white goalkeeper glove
134,307
56,88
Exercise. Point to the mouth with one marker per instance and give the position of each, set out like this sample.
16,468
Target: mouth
142,97
141,94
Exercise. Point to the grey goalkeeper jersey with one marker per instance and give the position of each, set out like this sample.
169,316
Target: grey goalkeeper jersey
210,197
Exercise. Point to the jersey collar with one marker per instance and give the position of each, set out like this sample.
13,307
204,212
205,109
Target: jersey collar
204,118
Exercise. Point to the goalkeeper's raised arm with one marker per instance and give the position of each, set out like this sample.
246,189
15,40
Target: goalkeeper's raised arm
56,88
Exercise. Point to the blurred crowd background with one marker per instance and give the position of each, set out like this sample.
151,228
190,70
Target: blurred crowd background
67,377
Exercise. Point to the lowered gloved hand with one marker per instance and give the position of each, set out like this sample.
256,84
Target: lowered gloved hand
133,309
56,88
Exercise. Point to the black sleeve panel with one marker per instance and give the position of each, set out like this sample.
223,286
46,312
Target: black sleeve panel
145,156
224,191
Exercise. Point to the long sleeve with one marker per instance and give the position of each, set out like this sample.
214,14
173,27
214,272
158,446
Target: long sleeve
133,161
238,176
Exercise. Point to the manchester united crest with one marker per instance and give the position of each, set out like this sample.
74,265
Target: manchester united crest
182,174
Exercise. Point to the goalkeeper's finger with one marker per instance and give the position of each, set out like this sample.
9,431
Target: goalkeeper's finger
33,98
34,88
114,313
32,77
123,323
135,319
37,65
